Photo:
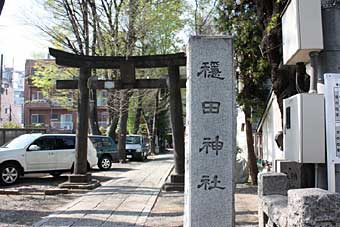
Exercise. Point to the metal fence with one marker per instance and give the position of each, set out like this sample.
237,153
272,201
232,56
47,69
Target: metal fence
7,134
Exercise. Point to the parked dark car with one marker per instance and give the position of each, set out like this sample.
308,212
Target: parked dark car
106,151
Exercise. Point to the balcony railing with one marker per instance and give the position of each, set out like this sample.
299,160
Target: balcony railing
59,125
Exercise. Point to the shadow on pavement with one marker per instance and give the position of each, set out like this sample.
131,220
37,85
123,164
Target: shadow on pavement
6,216
248,212
39,180
113,169
168,214
111,190
55,221
244,223
246,189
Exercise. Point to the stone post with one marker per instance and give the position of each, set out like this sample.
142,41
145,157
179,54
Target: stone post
80,165
270,184
210,133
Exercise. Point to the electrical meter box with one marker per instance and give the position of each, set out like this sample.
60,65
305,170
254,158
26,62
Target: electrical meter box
304,128
301,30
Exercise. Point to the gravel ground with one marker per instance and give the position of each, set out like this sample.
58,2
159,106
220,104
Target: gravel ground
32,204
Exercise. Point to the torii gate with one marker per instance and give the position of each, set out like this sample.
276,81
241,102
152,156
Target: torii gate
127,66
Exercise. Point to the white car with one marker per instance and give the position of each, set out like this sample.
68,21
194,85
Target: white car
136,147
36,152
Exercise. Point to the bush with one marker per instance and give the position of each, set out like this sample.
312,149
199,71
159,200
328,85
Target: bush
10,124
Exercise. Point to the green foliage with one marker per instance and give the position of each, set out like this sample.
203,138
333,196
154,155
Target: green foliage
273,22
10,124
158,26
46,72
252,69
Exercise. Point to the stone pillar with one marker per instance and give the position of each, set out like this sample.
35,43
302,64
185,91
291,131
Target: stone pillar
80,165
210,133
176,117
313,207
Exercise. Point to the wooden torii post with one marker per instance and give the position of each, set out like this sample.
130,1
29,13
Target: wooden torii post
128,80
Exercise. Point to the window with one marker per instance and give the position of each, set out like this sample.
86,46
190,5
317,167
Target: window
65,142
45,143
106,142
133,140
99,142
54,116
102,98
37,118
66,121
242,127
37,96
95,141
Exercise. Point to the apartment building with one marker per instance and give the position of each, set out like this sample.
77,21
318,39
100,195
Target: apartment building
12,96
41,111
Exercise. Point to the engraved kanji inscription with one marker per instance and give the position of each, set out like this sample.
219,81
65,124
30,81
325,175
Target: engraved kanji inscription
210,70
211,145
211,107
208,184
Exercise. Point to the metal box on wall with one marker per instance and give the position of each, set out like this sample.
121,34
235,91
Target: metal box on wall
304,128
301,30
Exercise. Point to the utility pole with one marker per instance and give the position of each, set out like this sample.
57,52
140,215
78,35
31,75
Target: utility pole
328,60
329,57
2,3
1,74
10,113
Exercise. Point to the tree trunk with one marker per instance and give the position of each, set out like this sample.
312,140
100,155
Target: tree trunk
138,113
154,127
93,116
252,165
113,127
124,112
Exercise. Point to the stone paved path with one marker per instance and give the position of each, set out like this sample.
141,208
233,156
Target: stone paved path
123,202
131,200
168,210
246,205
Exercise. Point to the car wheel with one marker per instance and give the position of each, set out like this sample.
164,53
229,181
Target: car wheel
9,173
56,174
105,163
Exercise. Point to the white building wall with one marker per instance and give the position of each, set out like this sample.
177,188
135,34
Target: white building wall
241,138
270,127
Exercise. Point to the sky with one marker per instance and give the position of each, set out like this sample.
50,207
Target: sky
19,40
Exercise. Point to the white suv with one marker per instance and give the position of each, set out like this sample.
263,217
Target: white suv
28,153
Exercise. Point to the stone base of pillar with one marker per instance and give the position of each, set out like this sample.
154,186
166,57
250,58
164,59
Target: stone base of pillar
175,183
80,181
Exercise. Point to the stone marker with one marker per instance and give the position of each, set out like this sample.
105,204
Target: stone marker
210,132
